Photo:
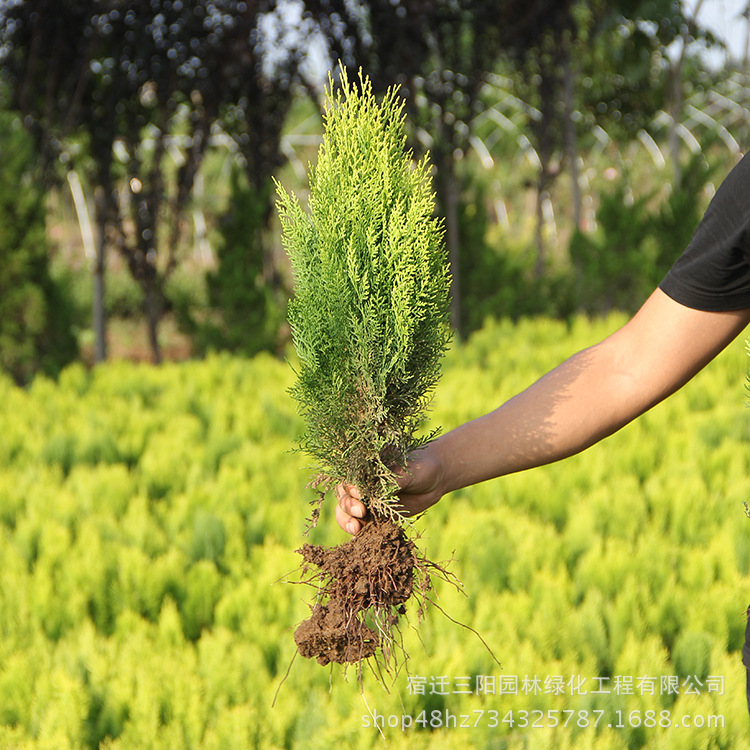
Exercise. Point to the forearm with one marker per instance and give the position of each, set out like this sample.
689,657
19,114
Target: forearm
566,411
590,395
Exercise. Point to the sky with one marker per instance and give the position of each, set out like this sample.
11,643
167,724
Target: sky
723,18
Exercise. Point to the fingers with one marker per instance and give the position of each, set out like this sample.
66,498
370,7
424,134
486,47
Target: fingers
350,510
347,523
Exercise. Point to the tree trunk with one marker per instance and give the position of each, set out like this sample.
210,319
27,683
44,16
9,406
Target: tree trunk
571,137
545,130
153,315
675,115
449,201
539,239
98,313
676,98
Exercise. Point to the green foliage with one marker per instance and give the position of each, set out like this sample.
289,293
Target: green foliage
35,315
244,307
498,275
635,244
369,314
132,618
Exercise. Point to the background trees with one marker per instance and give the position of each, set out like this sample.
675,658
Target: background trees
520,104
35,315
573,65
441,54
143,85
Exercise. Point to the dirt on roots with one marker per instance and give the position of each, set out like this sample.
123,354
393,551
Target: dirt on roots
364,584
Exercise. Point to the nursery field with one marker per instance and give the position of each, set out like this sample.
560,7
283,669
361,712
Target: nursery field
148,522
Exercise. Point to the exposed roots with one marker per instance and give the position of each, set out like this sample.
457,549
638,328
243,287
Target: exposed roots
363,587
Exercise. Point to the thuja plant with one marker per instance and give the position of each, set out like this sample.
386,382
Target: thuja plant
369,320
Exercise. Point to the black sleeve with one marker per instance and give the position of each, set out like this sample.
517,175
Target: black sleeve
714,271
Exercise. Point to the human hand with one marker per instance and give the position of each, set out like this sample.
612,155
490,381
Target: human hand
420,487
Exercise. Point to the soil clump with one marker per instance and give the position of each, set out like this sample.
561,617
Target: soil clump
364,584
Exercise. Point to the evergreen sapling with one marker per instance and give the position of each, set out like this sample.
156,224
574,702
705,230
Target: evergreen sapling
369,320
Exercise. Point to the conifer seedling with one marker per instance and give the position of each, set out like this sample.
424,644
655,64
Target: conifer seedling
369,321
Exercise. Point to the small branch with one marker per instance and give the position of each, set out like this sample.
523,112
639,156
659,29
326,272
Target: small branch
466,627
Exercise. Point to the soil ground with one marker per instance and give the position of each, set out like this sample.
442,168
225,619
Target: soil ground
128,339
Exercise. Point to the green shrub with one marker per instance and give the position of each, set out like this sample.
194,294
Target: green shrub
209,537
128,621
35,316
635,243
244,306
202,592
691,654
498,276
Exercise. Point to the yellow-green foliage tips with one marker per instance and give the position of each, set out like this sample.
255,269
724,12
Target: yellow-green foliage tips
144,525
370,311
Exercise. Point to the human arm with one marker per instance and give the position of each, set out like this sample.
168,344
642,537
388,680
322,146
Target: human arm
588,397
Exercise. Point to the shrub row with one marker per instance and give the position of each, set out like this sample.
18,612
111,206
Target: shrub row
148,519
